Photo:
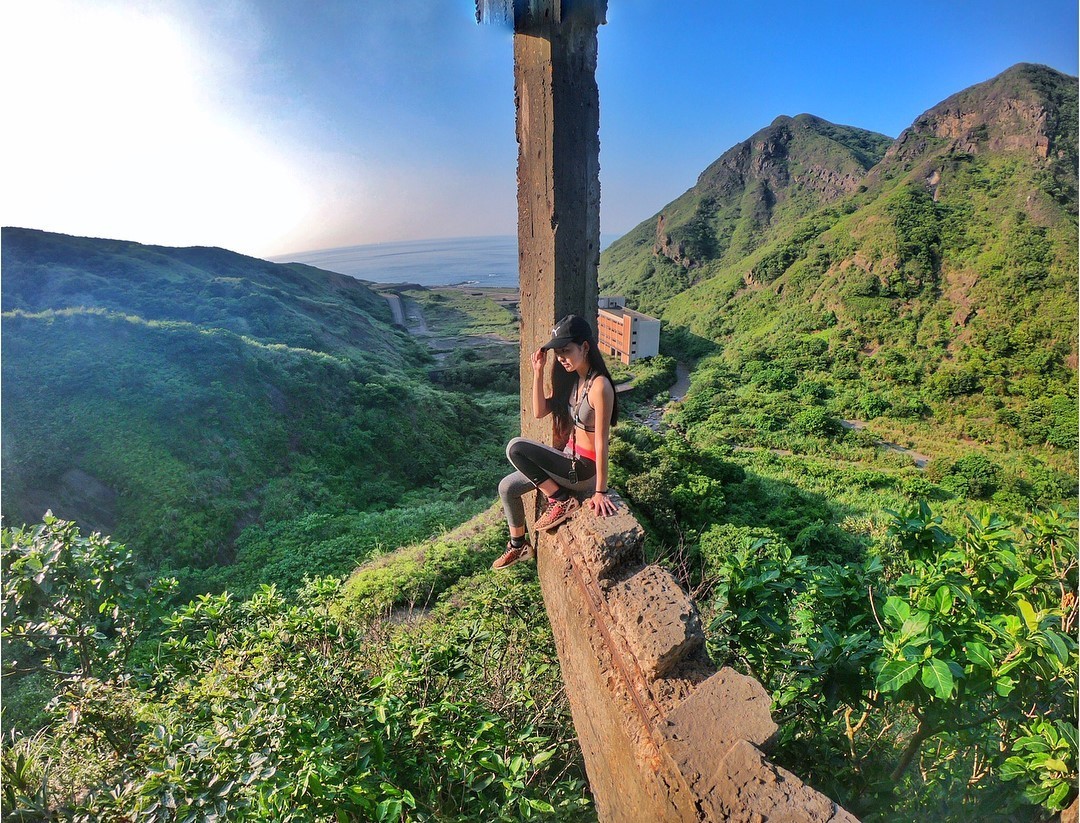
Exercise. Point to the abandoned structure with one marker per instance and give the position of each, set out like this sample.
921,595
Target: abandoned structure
665,737
625,333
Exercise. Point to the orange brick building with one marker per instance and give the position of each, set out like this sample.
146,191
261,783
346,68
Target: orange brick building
625,333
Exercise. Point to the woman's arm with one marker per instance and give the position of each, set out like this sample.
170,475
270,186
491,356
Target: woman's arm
602,398
541,402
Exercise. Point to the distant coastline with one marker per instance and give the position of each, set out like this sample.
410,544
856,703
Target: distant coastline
471,261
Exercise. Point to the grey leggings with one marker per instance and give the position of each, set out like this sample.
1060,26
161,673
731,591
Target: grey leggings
536,463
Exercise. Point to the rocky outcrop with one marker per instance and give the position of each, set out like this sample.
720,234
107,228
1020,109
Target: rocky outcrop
802,158
666,737
1017,111
673,251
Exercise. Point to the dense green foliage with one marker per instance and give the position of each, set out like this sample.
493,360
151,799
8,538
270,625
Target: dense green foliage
911,341
935,650
275,708
939,297
175,427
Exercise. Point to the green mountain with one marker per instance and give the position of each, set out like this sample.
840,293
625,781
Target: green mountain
175,397
942,287
777,176
290,304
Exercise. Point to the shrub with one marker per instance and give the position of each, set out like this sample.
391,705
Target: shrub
815,421
980,474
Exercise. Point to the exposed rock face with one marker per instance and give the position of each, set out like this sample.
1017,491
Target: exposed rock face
803,158
674,252
1016,112
665,736
792,153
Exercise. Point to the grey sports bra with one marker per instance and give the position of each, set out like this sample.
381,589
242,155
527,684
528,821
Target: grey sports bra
584,416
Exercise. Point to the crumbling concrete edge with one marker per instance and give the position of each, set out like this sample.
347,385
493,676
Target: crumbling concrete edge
665,736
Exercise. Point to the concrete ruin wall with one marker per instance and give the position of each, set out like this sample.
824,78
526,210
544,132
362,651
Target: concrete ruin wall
666,737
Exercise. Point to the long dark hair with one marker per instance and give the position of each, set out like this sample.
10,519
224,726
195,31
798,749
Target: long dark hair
562,384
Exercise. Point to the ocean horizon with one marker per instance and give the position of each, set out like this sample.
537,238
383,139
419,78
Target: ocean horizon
451,261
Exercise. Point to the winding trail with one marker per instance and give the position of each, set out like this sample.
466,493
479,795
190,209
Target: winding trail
654,419
920,460
395,308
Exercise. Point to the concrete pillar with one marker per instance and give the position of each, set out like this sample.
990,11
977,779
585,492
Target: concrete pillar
558,123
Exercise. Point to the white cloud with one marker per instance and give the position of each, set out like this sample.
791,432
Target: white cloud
117,126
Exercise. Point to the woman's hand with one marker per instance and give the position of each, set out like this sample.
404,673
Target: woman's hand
601,504
539,360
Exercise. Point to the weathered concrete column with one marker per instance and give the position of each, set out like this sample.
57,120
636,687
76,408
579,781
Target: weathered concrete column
558,125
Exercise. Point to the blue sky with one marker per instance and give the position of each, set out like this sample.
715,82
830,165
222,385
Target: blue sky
274,126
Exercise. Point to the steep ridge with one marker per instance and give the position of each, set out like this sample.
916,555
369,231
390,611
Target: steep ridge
1027,110
947,278
779,174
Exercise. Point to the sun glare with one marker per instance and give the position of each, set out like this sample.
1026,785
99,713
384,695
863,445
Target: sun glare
113,130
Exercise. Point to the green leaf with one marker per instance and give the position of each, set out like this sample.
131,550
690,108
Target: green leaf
1004,686
1067,731
944,600
482,783
937,677
1037,794
388,809
896,611
1057,642
1056,801
1028,613
1012,768
916,625
978,654
543,757
1055,765
896,674
1024,582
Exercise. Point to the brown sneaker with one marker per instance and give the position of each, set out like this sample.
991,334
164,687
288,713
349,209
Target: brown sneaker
513,555
558,511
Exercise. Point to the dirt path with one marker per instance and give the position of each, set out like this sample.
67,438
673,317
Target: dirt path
395,308
920,460
655,418
682,382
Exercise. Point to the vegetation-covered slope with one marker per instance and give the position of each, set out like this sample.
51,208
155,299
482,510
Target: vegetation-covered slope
292,304
174,397
915,624
944,286
768,181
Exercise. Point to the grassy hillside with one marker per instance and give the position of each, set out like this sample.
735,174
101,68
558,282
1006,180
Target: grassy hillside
174,398
862,489
292,304
768,181
883,411
937,300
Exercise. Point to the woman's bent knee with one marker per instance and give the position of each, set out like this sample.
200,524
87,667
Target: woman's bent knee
507,484
514,447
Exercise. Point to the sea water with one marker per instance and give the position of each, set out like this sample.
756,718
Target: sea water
472,261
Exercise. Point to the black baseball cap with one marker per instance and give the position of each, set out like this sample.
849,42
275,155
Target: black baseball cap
570,328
